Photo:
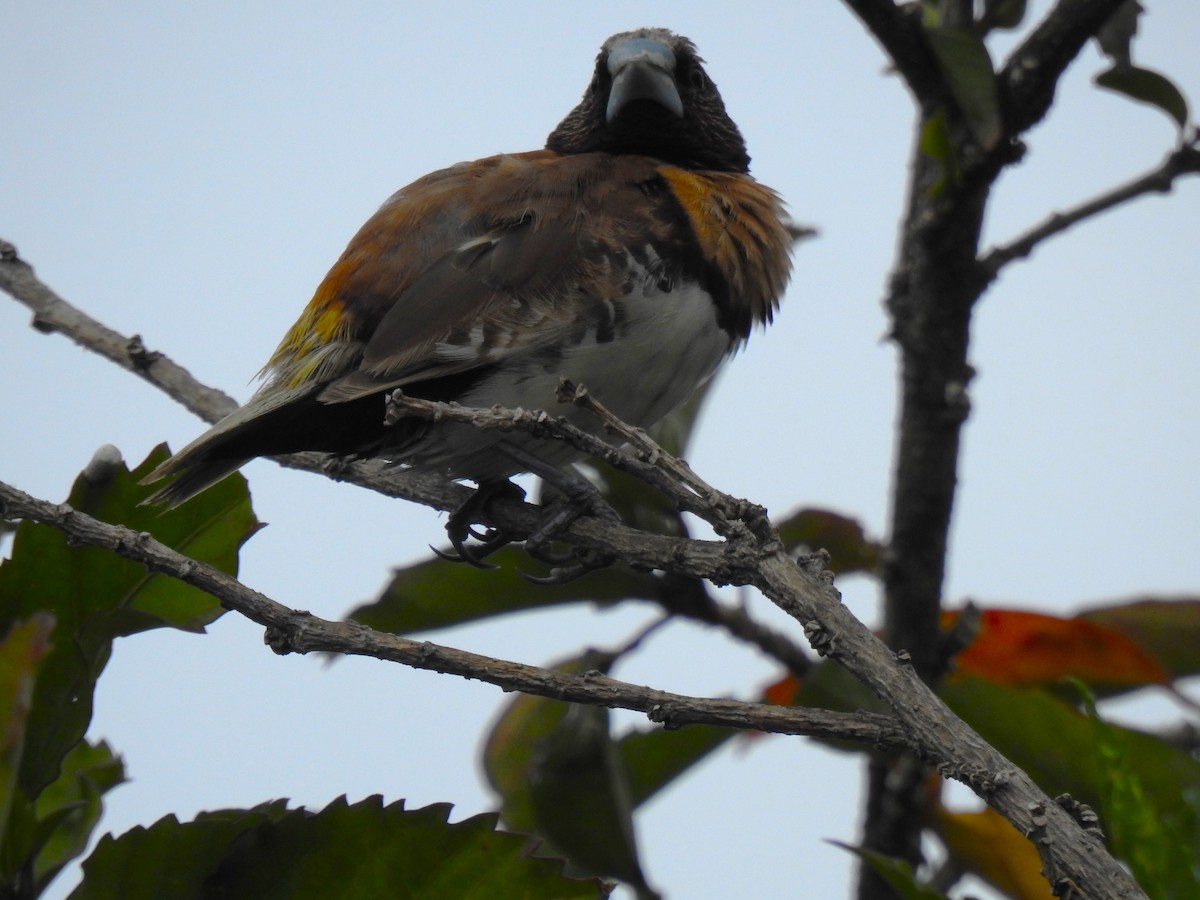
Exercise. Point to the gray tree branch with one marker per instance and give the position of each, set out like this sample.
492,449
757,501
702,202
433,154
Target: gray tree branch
1184,160
935,283
295,631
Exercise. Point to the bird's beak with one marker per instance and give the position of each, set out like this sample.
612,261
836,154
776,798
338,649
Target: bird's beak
642,69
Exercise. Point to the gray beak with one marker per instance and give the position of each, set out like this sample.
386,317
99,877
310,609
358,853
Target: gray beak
642,69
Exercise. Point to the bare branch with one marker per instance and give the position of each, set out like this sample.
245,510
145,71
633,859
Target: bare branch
53,314
681,595
1031,72
1184,160
729,515
898,30
296,631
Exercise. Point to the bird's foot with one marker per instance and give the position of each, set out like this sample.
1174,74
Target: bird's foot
460,526
577,497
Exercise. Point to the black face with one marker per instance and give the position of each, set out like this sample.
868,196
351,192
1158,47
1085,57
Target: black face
650,95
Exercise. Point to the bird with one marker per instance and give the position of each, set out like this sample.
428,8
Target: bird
633,254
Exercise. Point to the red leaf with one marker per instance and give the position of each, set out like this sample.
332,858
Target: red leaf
1026,648
783,692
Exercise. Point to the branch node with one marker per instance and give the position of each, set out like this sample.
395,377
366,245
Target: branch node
1087,818
279,640
819,638
139,357
666,715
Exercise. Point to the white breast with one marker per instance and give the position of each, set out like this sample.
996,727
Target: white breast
664,346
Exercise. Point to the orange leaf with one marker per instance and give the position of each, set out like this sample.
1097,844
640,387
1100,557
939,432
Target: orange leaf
985,844
1026,648
782,692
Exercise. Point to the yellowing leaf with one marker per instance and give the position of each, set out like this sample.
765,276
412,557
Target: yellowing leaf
985,844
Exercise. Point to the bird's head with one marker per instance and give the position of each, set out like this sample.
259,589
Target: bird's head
650,95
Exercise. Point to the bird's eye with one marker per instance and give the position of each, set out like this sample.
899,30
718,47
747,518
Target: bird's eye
696,77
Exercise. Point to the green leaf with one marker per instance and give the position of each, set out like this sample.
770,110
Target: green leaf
439,594
183,855
1167,630
1055,743
1147,86
361,850
17,847
96,595
1002,14
849,548
1116,36
25,646
70,808
508,749
967,67
560,775
652,757
937,144
655,757
1161,847
22,652
896,872
580,796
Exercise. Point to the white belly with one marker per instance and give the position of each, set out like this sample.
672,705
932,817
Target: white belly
666,347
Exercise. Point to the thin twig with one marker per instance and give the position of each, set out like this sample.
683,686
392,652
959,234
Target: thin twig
1184,160
53,314
1030,75
729,515
898,31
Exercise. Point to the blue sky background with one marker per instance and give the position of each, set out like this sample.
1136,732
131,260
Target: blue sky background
189,171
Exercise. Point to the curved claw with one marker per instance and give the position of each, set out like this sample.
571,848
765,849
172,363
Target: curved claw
558,575
544,554
474,554
584,561
483,537
462,527
460,557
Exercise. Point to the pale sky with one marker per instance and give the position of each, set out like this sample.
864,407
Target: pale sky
189,171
